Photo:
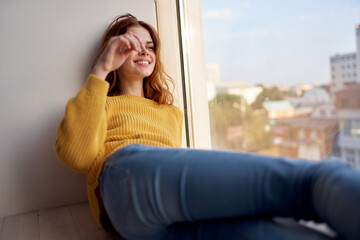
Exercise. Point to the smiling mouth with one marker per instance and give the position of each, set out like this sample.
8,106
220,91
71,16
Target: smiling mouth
142,62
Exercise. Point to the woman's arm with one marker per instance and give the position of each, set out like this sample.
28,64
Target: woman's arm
82,132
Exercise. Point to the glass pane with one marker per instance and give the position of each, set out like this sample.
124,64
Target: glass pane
283,77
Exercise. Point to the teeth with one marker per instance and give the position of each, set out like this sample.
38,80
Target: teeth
142,62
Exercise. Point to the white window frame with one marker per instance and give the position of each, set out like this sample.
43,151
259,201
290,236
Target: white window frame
168,29
180,29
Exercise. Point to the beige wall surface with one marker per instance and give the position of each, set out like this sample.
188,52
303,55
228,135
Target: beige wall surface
46,48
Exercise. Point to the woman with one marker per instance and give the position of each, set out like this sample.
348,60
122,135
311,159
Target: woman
123,131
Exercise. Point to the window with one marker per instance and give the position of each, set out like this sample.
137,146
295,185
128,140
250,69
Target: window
347,127
355,127
261,66
350,156
313,135
301,133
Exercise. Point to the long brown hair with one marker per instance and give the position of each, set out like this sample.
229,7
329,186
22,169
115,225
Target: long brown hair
156,85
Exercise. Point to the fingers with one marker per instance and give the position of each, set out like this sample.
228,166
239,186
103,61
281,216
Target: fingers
143,47
132,41
121,43
126,42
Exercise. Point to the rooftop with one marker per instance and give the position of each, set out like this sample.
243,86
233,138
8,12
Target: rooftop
317,123
271,106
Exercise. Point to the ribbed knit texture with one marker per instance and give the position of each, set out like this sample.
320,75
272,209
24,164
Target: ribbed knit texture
96,125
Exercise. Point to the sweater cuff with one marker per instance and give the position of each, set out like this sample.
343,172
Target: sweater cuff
96,85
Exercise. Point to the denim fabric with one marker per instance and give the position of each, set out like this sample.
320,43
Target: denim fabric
167,193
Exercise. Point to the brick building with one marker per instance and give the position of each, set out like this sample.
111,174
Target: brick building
306,138
349,97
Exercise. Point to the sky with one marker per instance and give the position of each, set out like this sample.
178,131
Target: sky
278,42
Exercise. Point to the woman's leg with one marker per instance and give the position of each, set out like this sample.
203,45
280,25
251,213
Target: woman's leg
242,229
147,189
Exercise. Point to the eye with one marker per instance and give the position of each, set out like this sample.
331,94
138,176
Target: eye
150,48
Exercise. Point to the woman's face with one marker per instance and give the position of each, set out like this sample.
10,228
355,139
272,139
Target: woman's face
139,65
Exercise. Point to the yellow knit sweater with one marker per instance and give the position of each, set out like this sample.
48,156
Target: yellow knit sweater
96,125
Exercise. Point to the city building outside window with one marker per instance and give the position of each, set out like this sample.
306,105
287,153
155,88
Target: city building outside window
260,76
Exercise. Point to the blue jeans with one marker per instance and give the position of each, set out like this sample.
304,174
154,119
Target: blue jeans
168,193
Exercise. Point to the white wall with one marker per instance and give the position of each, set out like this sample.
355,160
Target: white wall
46,49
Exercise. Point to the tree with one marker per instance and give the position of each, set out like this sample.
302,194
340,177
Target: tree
235,126
225,111
267,94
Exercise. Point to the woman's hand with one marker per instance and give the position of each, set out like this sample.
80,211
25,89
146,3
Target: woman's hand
115,53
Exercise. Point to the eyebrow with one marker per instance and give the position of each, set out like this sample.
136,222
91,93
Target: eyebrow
149,42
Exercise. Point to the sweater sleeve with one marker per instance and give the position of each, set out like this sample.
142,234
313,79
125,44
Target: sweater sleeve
82,131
